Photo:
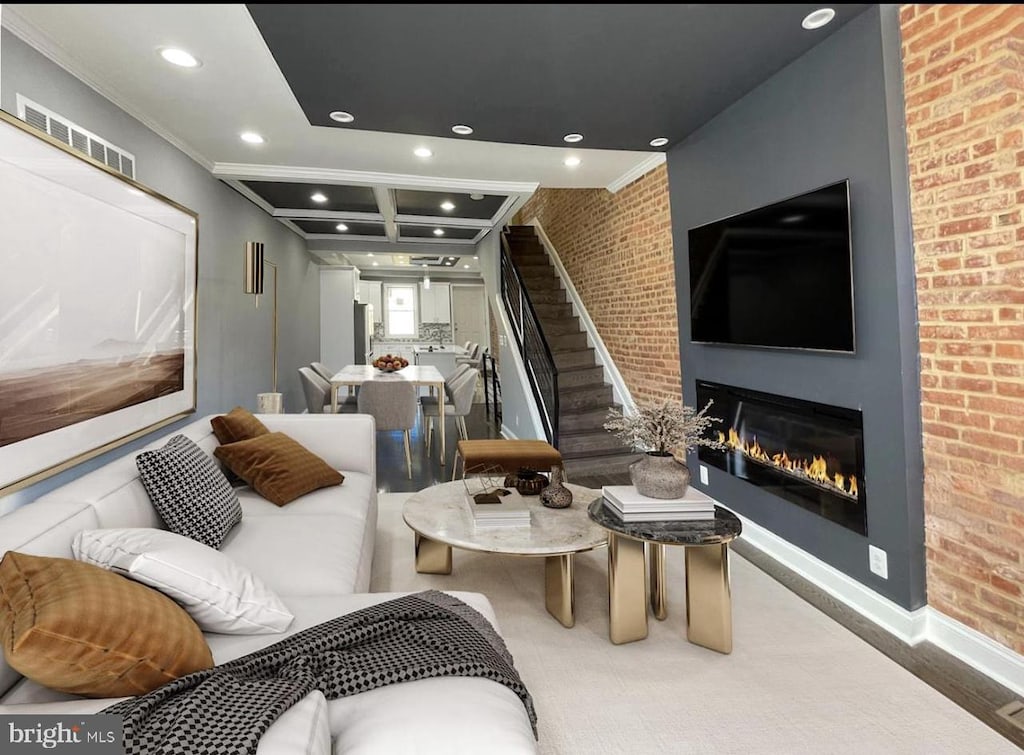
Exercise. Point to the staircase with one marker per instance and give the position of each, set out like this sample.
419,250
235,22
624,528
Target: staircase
587,449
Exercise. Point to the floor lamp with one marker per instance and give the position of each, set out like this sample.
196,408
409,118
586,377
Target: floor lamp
266,403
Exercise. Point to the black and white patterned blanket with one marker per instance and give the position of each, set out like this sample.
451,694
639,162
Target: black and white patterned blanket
227,708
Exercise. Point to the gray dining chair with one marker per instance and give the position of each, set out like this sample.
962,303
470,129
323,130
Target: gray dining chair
322,370
318,394
393,406
458,403
472,357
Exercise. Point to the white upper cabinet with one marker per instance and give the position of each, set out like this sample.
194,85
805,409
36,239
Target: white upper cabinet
369,293
436,303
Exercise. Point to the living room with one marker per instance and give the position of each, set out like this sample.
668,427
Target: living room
917,106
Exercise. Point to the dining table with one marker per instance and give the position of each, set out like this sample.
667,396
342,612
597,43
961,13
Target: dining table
354,375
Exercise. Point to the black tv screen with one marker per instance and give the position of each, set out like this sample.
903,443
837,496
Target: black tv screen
778,276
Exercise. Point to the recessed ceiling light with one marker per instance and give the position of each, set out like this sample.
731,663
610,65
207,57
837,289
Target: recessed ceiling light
447,206
341,116
423,264
422,152
572,161
817,19
572,138
452,259
462,130
375,264
438,232
369,254
792,218
476,197
179,57
466,266
318,197
661,141
341,227
475,257
251,137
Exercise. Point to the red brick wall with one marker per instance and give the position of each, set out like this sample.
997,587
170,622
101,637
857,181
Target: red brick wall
964,84
617,249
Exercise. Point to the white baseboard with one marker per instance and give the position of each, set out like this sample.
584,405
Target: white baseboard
982,653
975,649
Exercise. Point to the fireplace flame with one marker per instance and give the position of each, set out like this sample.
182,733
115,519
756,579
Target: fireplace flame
814,469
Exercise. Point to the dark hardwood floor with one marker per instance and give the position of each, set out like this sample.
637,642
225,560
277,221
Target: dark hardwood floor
971,690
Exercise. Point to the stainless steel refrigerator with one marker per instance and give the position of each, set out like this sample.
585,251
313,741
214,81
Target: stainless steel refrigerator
362,320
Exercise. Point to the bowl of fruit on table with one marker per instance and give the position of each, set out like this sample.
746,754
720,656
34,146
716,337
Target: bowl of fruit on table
389,363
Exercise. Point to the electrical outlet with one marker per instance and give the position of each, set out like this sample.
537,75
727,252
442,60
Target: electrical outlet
878,562
703,475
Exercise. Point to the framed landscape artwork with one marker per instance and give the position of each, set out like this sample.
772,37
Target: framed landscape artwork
97,307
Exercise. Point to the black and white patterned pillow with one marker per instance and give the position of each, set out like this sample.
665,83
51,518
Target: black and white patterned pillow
189,491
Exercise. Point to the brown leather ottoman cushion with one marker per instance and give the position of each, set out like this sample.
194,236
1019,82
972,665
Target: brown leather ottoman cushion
510,455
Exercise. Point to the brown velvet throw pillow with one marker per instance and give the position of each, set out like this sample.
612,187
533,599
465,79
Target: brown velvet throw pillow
238,424
77,628
278,467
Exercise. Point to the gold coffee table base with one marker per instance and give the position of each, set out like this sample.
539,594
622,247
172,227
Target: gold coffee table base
433,557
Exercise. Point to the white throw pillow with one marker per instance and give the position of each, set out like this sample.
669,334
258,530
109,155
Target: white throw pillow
218,593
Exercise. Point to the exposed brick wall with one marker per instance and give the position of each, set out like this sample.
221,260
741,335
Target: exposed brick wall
617,249
964,84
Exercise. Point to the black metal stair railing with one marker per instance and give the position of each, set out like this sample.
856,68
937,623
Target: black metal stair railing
533,347
492,387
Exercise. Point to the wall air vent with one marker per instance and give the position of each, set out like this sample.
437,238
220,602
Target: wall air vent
84,141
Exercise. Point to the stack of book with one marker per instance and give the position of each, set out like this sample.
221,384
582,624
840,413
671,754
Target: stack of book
511,512
629,506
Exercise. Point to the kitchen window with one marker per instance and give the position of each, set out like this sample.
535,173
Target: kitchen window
400,311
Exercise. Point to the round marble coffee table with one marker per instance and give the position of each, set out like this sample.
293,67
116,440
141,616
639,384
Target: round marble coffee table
441,519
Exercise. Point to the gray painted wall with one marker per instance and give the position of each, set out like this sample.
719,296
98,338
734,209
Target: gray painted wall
834,113
234,338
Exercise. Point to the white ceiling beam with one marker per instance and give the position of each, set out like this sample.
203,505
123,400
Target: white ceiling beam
448,221
386,204
253,172
301,214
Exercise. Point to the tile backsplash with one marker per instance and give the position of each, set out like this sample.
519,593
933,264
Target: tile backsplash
430,332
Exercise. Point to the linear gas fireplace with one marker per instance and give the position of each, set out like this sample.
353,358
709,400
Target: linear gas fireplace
810,454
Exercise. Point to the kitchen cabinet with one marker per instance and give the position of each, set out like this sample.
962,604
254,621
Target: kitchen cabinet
436,303
369,293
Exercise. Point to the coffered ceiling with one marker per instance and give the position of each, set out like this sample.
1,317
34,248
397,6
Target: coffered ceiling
521,76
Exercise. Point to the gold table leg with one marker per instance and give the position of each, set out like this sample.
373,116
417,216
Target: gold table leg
659,600
432,557
558,588
708,598
627,590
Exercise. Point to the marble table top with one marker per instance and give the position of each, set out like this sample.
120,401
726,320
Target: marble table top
723,528
441,513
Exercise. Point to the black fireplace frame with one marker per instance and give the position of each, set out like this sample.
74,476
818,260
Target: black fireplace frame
833,506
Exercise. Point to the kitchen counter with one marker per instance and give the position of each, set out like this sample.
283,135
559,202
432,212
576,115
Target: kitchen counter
442,357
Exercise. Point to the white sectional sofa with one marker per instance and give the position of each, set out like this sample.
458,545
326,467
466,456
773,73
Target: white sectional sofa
316,553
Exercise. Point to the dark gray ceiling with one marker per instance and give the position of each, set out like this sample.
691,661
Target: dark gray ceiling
522,73
331,226
298,196
428,203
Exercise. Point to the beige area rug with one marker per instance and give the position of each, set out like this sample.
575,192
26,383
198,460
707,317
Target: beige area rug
796,682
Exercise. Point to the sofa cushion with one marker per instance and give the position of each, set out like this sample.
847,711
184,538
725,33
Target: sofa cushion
189,491
80,629
219,595
316,554
238,424
354,494
278,467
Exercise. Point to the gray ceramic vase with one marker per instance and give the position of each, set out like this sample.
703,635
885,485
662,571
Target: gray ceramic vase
659,475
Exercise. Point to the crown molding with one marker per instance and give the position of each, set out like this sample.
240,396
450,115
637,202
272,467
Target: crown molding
642,168
36,39
298,174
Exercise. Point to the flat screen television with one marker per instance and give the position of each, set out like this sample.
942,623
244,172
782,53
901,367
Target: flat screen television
779,276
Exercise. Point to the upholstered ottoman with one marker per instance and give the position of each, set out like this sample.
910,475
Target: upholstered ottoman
510,455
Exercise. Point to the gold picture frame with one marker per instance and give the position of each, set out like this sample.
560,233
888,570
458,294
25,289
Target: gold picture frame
97,307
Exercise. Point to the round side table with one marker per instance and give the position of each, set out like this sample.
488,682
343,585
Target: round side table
708,598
